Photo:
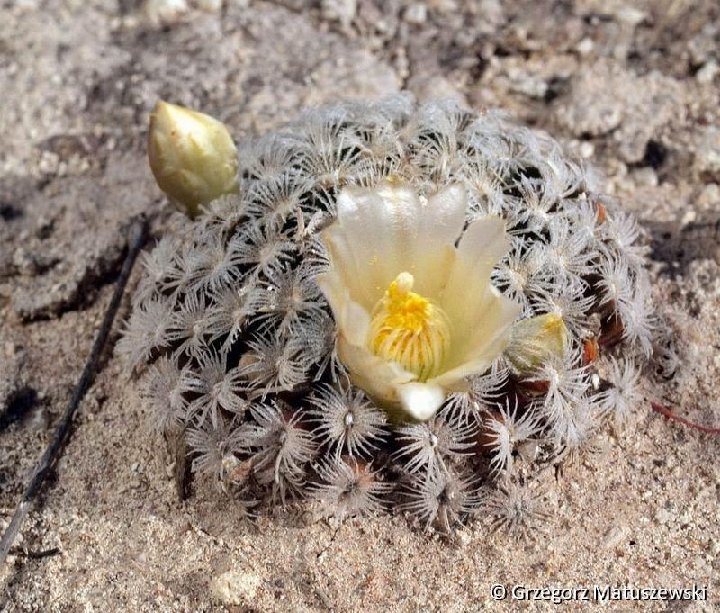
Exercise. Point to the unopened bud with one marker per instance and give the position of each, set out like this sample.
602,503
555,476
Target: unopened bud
535,340
192,156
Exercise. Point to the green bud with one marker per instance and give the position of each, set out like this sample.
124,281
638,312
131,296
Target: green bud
535,340
192,156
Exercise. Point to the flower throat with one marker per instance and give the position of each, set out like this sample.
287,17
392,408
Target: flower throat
409,329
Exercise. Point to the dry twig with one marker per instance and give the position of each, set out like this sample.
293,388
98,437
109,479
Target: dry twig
136,239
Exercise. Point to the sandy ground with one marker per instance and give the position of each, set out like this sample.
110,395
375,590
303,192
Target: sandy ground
630,86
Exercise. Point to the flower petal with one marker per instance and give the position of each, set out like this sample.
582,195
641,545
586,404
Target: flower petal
352,320
378,377
485,340
482,246
421,400
480,316
386,230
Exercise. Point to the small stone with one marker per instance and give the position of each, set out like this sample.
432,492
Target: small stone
631,15
235,588
646,176
27,5
689,216
416,13
707,154
49,162
530,85
703,46
613,537
444,6
585,46
528,450
587,150
166,12
342,11
708,72
663,517
709,196
29,263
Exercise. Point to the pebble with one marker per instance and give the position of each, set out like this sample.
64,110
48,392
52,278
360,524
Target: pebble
27,5
707,153
530,85
339,10
689,216
166,12
708,72
613,537
444,6
631,15
23,261
416,13
646,176
235,588
663,517
587,150
49,163
710,195
585,46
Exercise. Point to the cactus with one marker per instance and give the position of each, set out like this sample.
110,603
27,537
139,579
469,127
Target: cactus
237,344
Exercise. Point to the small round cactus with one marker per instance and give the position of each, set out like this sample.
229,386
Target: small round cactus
409,308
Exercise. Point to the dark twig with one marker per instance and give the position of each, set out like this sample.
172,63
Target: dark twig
137,236
36,555
663,410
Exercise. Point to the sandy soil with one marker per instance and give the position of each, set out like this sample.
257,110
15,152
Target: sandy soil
630,86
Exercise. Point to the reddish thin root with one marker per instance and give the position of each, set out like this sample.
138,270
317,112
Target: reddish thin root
663,410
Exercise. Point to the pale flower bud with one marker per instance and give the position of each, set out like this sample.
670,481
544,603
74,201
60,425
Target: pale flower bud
192,156
535,340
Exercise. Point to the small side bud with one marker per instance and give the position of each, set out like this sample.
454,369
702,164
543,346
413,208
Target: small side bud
192,156
535,340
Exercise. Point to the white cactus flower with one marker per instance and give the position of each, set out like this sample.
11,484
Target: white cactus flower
416,314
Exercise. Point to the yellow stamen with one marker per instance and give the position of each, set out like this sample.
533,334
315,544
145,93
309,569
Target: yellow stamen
409,329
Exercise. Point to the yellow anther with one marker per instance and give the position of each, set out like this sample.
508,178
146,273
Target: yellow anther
409,329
